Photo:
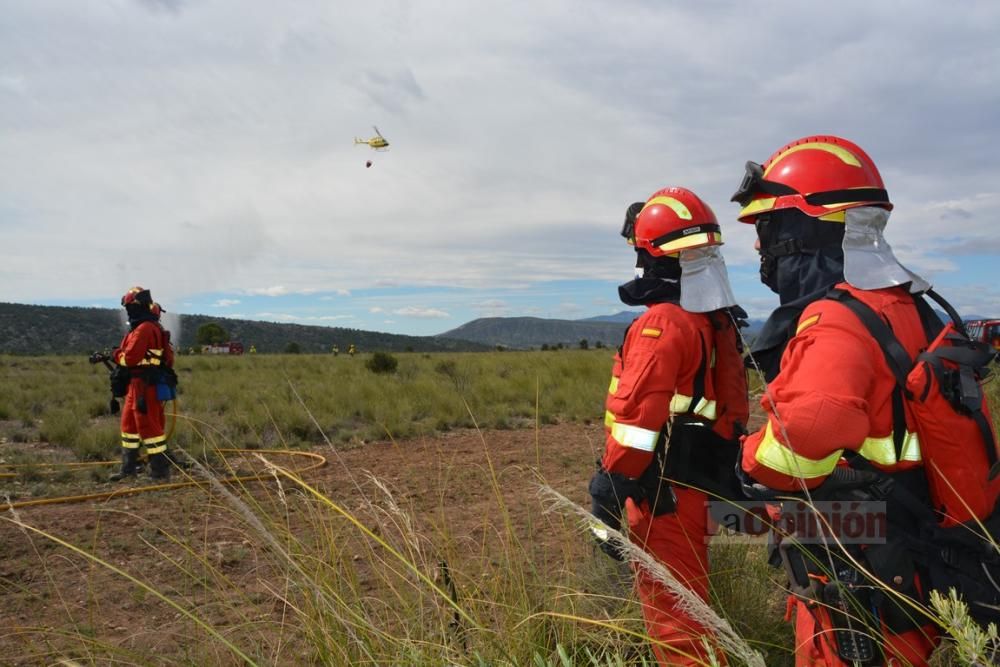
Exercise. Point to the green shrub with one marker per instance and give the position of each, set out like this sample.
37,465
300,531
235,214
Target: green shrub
382,363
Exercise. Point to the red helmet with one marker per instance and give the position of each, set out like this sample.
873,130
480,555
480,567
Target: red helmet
819,175
675,219
139,295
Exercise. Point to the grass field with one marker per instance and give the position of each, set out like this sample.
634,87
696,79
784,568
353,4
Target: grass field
424,541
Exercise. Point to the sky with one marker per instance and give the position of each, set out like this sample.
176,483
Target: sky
205,148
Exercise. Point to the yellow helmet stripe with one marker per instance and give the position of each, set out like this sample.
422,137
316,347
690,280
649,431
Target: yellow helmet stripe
845,155
693,241
757,206
676,205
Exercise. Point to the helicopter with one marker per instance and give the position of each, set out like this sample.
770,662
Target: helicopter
378,142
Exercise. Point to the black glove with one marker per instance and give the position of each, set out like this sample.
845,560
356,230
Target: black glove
97,357
608,492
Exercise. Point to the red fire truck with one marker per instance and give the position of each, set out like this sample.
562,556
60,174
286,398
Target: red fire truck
987,331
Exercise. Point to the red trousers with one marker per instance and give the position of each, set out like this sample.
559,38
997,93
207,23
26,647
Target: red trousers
143,428
679,541
815,644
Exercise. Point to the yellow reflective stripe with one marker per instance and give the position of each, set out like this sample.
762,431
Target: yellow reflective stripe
776,456
681,404
613,387
692,241
155,439
911,448
651,332
757,205
609,418
130,440
156,450
845,155
634,437
676,205
883,450
705,409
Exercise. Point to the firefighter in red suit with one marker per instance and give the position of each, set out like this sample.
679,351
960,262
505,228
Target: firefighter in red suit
144,350
819,206
676,404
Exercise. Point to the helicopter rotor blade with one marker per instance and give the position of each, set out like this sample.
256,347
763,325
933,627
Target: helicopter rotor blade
377,132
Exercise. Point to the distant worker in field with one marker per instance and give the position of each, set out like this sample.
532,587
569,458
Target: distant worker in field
253,349
335,350
146,352
351,349
676,406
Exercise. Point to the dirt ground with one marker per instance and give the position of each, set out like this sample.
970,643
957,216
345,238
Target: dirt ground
54,600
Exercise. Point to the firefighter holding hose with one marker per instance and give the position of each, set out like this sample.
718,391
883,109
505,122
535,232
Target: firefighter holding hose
147,354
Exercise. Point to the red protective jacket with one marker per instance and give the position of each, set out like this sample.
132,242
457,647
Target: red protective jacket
666,353
834,393
143,347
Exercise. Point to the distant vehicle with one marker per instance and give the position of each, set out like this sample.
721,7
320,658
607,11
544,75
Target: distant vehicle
378,142
232,347
986,331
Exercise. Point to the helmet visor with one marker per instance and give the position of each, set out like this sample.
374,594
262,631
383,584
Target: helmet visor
754,183
750,185
628,227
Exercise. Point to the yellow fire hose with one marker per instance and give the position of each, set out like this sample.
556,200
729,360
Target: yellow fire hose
318,460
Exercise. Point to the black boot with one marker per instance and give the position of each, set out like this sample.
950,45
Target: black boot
130,465
159,467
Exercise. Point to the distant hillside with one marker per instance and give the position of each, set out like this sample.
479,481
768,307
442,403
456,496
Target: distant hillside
529,332
624,317
28,329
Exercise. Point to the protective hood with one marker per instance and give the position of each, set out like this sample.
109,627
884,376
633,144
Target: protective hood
647,291
868,259
138,317
704,280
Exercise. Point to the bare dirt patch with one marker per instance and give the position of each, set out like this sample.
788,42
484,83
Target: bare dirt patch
190,544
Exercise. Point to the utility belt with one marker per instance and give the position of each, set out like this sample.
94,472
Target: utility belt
693,456
916,557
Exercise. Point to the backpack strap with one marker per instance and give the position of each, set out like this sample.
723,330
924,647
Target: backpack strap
967,355
896,356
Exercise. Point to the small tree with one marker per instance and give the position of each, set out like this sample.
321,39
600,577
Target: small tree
211,333
292,348
382,362
583,344
599,345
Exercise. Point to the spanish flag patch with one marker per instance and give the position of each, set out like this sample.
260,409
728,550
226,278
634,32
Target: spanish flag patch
650,332
806,323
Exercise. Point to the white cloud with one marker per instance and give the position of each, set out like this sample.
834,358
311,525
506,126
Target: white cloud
421,313
376,309
339,292
224,130
277,290
492,308
225,303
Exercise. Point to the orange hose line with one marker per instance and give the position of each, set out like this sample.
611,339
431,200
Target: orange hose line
318,461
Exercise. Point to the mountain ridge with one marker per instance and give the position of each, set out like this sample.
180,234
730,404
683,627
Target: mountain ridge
29,329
